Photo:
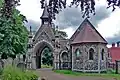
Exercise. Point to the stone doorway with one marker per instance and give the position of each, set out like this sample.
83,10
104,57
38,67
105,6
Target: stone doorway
65,60
42,57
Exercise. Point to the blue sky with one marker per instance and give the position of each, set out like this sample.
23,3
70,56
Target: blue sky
105,21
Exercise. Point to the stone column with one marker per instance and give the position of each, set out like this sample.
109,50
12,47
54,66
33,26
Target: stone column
33,65
99,56
72,58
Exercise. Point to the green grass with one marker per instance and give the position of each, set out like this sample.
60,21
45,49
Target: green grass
46,66
13,73
104,75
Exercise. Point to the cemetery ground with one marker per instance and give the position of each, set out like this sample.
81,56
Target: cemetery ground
14,73
48,74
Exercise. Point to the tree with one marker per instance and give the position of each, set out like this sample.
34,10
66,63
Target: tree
1,2
64,34
47,57
86,6
54,6
14,35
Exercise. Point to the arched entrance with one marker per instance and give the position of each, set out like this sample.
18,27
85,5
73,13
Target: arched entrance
41,56
65,60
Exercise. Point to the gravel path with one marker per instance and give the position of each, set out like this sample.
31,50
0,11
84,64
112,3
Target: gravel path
48,74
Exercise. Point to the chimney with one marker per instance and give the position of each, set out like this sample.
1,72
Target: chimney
118,44
113,44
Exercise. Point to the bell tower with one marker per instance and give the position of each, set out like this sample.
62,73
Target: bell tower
45,16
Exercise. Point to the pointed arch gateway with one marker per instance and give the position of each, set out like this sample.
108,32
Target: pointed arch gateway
43,38
64,58
38,51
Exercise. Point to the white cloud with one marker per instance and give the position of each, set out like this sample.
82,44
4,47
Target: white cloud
108,27
69,31
109,46
111,25
31,9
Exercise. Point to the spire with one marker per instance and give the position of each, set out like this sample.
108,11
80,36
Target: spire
56,34
45,2
30,34
45,16
45,11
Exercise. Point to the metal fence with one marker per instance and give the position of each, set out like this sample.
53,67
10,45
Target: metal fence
117,62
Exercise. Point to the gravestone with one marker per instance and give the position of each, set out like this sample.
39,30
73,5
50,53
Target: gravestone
5,62
1,64
9,61
21,65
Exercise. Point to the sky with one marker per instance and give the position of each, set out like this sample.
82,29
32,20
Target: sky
69,19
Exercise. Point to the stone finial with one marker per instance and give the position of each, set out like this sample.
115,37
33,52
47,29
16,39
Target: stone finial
30,29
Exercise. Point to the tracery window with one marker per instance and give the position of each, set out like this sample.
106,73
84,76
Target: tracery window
91,54
77,53
102,54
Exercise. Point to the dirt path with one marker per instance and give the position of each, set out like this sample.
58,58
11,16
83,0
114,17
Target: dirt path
48,74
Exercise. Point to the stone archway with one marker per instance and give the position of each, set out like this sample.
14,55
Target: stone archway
65,60
39,47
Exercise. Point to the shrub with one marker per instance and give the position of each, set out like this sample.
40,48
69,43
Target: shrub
1,70
111,71
14,73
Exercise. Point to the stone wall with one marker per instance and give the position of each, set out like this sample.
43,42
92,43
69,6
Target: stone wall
84,64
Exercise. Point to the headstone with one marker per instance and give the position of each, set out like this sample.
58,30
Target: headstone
5,62
9,61
21,65
16,61
1,64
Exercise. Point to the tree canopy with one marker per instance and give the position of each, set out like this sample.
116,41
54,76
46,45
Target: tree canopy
86,6
13,33
63,33
47,57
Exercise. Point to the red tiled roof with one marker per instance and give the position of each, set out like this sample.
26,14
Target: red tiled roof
114,53
87,33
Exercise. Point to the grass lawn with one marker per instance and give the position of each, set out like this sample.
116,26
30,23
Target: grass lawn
104,75
46,66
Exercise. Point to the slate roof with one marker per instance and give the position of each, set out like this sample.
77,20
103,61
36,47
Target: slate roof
87,33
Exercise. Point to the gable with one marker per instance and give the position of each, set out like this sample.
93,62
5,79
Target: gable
44,36
47,29
87,33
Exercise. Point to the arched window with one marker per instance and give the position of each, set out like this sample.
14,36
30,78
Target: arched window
65,56
77,53
102,54
91,54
